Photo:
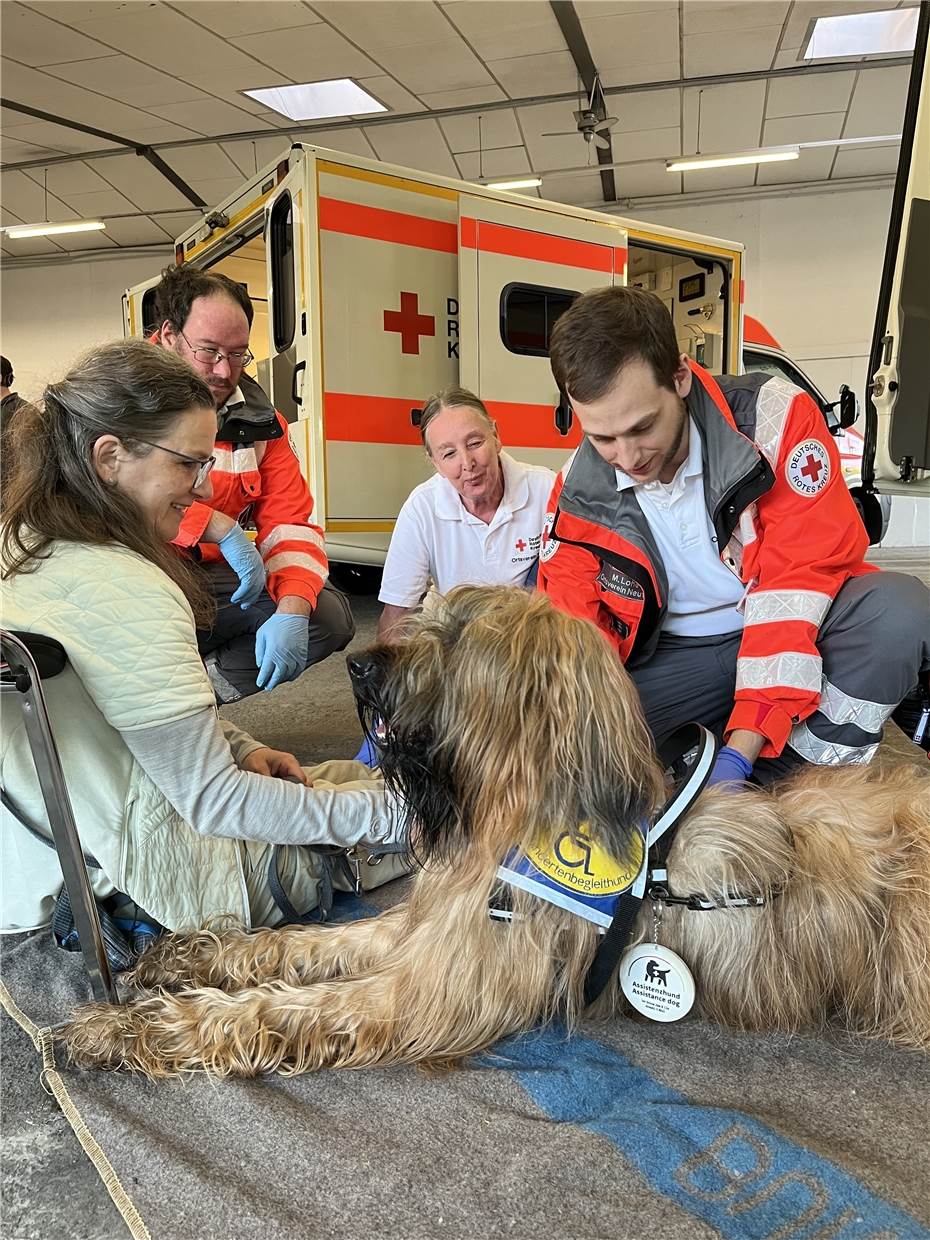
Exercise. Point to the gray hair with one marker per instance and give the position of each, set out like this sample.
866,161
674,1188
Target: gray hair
452,398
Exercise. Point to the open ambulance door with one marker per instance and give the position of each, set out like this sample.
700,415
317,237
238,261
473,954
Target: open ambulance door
139,308
285,256
519,269
896,457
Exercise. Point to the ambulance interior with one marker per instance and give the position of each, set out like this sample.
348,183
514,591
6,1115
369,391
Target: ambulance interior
694,290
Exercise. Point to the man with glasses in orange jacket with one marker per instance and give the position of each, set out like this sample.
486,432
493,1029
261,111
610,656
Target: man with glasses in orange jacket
276,612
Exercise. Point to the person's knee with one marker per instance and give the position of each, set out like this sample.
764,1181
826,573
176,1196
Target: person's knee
332,625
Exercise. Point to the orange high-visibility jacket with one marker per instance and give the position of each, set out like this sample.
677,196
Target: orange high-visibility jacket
257,470
781,512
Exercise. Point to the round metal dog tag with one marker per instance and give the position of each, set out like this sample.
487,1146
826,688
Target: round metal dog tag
657,982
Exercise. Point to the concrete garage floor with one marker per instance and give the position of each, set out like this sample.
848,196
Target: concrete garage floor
49,1187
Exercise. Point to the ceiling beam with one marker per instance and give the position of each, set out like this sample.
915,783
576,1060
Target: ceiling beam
574,36
393,118
145,151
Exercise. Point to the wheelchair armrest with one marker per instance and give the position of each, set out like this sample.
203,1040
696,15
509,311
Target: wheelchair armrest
49,655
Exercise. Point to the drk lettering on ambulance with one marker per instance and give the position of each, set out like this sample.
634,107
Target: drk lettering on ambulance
452,327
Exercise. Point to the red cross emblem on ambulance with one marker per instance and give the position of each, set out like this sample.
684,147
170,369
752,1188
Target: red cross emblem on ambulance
409,323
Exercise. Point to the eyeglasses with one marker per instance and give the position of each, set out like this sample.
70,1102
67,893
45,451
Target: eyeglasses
213,357
203,466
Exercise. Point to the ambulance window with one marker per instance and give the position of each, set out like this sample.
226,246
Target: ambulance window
528,314
282,272
149,323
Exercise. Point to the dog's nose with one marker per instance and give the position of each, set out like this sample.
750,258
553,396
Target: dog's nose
361,666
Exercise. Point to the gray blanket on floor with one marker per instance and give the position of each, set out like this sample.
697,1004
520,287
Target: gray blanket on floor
625,1129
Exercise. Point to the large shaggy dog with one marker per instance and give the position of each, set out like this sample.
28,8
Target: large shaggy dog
509,723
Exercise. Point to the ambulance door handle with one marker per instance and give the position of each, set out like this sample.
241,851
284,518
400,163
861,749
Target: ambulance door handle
298,400
563,416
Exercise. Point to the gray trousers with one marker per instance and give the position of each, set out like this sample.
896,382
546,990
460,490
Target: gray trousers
874,643
229,646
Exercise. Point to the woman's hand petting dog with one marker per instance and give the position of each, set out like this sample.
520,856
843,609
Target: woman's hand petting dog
276,762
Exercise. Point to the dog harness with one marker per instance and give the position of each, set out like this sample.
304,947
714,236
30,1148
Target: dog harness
576,874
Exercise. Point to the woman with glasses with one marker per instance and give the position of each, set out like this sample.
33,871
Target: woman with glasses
181,809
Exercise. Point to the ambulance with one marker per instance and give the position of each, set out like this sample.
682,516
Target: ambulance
375,286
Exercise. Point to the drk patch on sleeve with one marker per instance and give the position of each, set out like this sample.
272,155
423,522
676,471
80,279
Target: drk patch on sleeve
808,468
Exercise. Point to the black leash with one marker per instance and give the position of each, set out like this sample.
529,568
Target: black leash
672,754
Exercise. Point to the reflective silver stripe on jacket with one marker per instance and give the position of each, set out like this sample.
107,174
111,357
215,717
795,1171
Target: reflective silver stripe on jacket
768,606
772,405
828,753
789,670
840,707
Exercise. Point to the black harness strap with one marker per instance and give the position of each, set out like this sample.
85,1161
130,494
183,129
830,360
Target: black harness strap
672,753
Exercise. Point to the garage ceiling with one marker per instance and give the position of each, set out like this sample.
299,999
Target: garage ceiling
170,75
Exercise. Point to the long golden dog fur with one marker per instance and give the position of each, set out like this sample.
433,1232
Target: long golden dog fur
509,722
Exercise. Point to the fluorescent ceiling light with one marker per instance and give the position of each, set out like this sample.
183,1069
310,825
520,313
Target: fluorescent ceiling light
314,100
519,183
863,34
15,231
772,155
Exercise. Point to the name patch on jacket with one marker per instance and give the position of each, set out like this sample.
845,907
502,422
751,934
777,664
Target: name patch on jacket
576,874
808,468
616,582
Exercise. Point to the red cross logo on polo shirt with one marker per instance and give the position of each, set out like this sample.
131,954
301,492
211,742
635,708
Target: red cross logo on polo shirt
520,544
812,468
410,323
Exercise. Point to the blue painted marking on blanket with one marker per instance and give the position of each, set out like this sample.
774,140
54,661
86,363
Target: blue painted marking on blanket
739,1176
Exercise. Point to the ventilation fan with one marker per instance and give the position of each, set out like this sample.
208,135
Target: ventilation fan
593,128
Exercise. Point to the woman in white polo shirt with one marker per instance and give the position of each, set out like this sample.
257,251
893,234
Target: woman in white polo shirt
478,521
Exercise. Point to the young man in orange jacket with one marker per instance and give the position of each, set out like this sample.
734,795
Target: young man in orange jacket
276,612
704,525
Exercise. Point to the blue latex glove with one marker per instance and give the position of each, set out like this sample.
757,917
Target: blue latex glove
241,555
367,754
730,768
281,649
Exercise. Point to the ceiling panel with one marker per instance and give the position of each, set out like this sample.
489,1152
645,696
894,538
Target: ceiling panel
812,165
394,96
351,141
55,137
139,231
717,178
448,64
653,109
528,25
642,8
645,181
210,116
500,162
68,179
641,71
26,199
205,162
494,128
369,24
578,191
102,202
866,161
121,77
639,144
86,241
628,39
142,184
741,51
177,222
795,96
731,118
524,76
51,94
214,190
724,16
789,130
878,103
39,41
416,144
463,98
307,54
251,155
30,246
232,18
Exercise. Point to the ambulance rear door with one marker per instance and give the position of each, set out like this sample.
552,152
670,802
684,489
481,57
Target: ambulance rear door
139,308
389,340
519,269
897,440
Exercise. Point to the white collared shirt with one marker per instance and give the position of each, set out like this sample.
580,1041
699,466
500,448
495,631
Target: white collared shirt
436,537
235,398
702,591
